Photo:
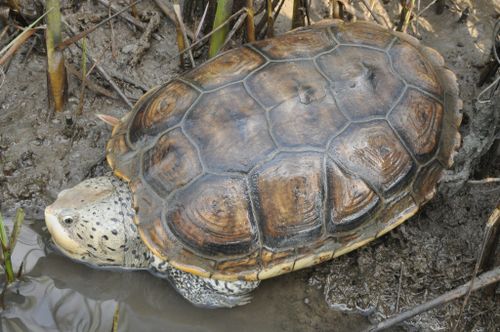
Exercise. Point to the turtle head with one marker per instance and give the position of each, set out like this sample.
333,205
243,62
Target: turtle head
93,223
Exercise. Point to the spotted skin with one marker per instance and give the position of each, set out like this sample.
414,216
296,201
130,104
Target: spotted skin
205,292
93,223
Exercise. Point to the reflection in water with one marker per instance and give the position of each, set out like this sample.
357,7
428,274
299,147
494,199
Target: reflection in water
57,294
42,306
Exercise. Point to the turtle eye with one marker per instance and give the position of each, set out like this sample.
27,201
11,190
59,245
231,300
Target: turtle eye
68,220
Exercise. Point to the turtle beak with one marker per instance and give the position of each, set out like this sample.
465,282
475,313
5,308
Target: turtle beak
59,234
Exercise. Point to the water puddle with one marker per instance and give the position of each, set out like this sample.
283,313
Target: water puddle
57,294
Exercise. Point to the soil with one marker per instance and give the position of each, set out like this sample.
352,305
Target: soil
42,153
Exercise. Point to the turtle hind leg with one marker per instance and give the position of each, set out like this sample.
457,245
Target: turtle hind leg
210,293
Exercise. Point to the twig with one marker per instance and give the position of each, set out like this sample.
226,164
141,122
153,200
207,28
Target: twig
375,16
3,33
483,181
171,16
100,69
491,240
202,21
112,32
405,15
235,28
89,83
425,8
127,79
178,15
480,99
201,40
278,10
483,280
414,23
399,287
270,19
84,75
82,34
2,77
19,41
127,17
485,256
263,19
26,30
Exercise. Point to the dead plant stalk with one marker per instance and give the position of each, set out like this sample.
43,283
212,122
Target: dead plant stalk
250,21
485,279
405,15
56,71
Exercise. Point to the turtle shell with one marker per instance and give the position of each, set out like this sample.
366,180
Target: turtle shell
289,151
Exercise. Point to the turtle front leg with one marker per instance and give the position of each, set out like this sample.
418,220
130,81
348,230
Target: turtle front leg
206,292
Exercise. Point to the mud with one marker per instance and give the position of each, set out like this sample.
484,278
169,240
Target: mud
42,153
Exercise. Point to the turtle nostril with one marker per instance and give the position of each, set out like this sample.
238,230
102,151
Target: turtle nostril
68,220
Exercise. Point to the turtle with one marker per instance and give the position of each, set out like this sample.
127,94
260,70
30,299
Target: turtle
268,158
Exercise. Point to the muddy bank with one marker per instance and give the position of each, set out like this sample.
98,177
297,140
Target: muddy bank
41,153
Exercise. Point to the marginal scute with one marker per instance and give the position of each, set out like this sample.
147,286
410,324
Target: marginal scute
396,211
171,163
363,33
349,201
273,257
276,269
236,266
161,110
306,259
418,120
212,216
289,193
362,82
426,181
296,45
281,81
295,123
420,73
450,136
122,160
434,56
230,129
373,152
229,67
